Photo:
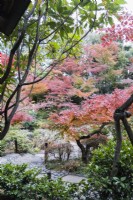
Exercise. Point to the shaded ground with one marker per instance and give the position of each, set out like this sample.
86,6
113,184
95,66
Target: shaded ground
33,161
37,161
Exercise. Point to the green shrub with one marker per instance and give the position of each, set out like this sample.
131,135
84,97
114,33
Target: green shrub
17,182
31,125
42,114
99,170
71,166
2,147
24,144
14,179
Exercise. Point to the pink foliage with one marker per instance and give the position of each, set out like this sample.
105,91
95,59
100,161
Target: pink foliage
70,66
98,56
96,68
59,85
96,110
100,108
21,117
3,59
122,31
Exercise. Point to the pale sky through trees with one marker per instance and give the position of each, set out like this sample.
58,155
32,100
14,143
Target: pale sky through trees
129,5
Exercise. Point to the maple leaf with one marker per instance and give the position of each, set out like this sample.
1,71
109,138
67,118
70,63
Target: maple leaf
21,117
3,59
122,31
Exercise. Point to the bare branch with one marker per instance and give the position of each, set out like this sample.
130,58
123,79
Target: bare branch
95,131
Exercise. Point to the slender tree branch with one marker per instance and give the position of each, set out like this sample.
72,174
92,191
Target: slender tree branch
126,105
16,46
44,38
95,131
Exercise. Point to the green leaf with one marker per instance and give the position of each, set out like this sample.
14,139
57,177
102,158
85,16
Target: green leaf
62,33
43,7
123,178
110,20
51,24
59,6
120,1
85,2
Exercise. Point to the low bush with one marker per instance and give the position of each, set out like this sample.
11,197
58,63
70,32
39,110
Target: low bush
17,182
71,166
17,140
31,125
60,150
2,147
99,170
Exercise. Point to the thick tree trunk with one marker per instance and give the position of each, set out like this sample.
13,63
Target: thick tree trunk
5,130
84,150
120,115
84,157
117,148
128,129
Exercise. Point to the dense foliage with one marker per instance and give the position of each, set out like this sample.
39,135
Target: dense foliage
81,93
22,183
46,35
99,170
18,182
74,89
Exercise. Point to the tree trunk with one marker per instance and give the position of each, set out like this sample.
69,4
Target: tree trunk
128,129
16,145
45,152
84,150
117,148
84,157
121,114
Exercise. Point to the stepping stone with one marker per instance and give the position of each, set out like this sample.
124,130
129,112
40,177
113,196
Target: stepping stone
73,178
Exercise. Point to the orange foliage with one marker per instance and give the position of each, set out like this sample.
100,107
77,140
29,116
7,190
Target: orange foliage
97,110
38,88
104,54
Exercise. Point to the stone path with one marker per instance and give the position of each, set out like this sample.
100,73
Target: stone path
37,161
73,178
33,161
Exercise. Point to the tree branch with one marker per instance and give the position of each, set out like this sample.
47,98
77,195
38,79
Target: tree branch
94,132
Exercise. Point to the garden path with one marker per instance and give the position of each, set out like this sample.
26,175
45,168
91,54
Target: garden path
33,161
37,161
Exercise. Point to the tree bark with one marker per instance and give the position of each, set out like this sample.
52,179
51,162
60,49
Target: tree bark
117,148
45,152
128,129
16,145
84,151
84,157
121,114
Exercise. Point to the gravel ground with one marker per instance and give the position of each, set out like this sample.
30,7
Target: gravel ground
33,161
37,161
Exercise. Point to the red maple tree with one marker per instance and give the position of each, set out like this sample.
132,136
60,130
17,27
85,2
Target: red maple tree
122,31
93,113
